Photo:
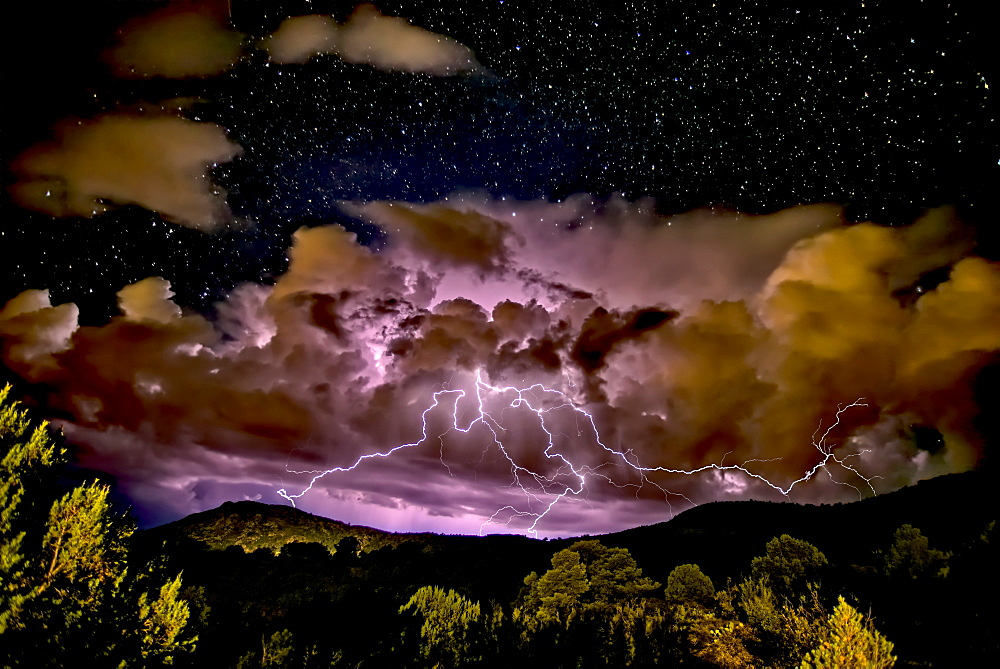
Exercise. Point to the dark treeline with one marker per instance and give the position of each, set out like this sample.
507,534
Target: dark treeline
907,579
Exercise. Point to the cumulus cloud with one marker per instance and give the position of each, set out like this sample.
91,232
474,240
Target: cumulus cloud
175,42
158,162
736,338
371,38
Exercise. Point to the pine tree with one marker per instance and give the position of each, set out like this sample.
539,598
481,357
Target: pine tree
162,623
66,594
851,642
450,625
23,468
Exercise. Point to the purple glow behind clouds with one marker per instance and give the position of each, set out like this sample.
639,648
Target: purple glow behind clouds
779,320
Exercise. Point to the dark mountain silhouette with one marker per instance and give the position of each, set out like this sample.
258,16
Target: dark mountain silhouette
722,537
252,570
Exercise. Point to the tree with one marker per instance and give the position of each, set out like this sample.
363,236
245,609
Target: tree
704,635
587,577
162,622
612,573
783,630
911,556
65,589
780,601
23,468
450,626
555,598
688,584
787,565
275,651
850,641
590,604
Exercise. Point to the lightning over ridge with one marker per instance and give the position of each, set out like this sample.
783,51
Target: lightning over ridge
568,478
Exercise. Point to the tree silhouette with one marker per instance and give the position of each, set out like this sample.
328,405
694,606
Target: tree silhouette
911,556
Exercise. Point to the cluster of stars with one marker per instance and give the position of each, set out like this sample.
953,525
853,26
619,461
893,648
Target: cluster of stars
692,103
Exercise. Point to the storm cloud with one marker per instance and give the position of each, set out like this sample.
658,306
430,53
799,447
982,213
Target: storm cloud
695,342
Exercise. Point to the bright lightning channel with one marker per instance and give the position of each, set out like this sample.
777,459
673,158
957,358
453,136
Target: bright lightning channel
537,486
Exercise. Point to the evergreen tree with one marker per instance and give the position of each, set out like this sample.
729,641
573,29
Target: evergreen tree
162,622
450,629
25,467
850,642
66,594
590,604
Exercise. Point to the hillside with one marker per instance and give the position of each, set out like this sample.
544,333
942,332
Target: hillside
253,570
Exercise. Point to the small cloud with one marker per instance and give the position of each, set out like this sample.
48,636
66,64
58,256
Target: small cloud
157,162
299,38
175,43
148,300
371,38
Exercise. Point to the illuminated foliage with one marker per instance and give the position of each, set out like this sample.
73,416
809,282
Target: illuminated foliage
587,577
783,630
555,597
65,590
23,470
787,565
593,603
711,638
449,625
850,642
687,583
162,622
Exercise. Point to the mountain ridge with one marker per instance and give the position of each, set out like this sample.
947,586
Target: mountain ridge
717,535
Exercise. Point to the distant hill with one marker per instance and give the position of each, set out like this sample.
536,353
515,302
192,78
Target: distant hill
252,525
722,537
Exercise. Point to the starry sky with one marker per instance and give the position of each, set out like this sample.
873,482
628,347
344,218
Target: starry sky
637,256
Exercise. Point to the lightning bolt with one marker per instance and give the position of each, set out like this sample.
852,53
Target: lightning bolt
544,492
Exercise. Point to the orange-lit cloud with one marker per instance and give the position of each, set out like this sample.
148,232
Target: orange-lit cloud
371,38
795,314
176,42
158,162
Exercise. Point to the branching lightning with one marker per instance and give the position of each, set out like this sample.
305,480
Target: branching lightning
543,492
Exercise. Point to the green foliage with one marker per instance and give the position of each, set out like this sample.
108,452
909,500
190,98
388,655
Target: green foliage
556,597
784,628
911,556
850,641
612,573
586,578
686,584
162,622
633,633
713,639
787,565
275,651
450,625
65,590
593,603
23,470
84,544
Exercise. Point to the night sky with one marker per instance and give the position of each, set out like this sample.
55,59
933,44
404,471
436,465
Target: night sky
683,236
